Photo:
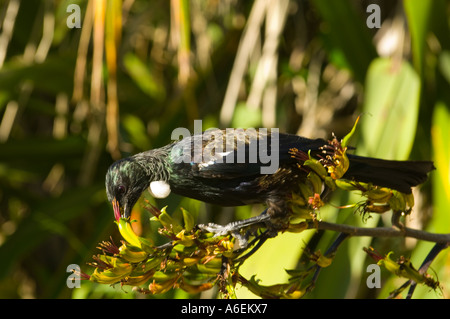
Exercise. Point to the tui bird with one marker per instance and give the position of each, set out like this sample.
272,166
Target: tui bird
225,168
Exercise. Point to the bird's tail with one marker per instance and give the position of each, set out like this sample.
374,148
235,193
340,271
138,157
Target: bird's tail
398,175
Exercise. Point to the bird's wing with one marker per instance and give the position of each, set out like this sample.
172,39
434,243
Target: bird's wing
223,154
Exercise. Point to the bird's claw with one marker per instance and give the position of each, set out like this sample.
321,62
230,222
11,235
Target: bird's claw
235,228
223,230
216,229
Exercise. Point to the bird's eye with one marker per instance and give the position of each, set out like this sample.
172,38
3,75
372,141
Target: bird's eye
121,189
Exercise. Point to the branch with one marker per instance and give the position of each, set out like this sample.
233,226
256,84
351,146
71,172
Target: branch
381,232
426,264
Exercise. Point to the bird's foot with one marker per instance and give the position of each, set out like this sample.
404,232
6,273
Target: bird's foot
230,228
223,230
236,228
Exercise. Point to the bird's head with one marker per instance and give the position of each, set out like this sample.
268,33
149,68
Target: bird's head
125,181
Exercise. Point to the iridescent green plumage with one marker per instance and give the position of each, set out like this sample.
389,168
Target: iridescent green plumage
221,177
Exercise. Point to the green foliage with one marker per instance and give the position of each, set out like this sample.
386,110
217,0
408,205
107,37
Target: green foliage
392,94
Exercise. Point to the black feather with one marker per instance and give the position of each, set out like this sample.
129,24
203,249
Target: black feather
228,172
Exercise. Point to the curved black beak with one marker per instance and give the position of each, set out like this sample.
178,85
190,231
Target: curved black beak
121,212
127,210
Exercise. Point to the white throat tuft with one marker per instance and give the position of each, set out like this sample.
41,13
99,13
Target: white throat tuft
159,189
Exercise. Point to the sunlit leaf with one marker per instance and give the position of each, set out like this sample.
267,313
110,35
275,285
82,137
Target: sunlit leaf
391,108
418,14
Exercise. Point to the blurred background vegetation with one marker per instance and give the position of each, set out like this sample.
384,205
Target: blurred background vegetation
73,100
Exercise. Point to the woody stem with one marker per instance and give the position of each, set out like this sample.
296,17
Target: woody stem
381,232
